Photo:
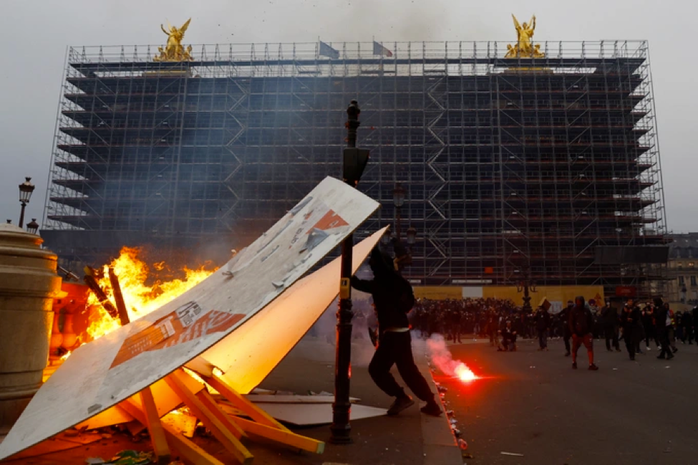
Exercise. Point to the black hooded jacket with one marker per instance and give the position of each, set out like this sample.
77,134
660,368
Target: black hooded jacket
385,287
581,321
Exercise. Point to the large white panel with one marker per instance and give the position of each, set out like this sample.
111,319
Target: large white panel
106,371
250,353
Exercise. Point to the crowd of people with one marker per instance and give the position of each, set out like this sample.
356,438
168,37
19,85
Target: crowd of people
637,325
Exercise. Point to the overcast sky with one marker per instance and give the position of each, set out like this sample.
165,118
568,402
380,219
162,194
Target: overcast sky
34,36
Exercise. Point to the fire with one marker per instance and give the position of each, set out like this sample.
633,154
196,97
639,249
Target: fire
464,373
140,298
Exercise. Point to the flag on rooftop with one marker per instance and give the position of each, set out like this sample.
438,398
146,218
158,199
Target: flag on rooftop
378,49
327,51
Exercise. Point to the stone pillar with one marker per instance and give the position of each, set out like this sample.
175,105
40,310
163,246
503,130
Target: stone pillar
28,284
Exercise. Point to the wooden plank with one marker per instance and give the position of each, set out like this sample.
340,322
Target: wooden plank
244,405
202,412
157,433
184,446
148,349
281,436
211,404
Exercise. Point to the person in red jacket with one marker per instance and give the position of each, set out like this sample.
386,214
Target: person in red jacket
581,323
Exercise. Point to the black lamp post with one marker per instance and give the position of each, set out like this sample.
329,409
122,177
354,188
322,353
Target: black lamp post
32,226
355,161
525,285
399,201
25,193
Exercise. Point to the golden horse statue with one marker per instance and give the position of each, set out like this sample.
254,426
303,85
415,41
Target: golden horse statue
174,51
524,47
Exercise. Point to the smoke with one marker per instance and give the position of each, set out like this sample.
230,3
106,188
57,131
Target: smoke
441,357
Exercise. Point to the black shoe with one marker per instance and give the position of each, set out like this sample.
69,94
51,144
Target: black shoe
574,365
593,367
674,349
662,357
632,357
618,350
567,354
432,408
400,404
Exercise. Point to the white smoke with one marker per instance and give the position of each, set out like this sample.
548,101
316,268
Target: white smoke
441,357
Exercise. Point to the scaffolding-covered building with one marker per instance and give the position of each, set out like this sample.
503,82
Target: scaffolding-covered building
511,166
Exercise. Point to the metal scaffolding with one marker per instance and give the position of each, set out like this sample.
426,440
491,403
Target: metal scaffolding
511,166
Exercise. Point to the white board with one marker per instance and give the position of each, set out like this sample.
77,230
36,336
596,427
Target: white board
114,367
249,354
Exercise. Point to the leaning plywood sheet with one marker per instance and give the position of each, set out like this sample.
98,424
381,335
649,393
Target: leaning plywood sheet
250,352
248,355
106,371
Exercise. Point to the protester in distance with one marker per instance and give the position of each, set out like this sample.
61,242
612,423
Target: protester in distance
542,320
581,323
630,322
564,317
508,339
393,299
609,319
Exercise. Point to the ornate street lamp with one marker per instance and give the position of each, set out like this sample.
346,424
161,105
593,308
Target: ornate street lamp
32,226
25,193
411,235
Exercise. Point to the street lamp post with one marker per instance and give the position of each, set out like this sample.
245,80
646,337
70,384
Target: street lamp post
25,193
32,226
526,285
355,161
399,201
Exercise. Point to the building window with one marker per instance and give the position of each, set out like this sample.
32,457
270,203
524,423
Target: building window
693,281
691,264
681,281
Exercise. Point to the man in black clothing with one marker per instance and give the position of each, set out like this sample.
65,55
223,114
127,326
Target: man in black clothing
630,322
581,322
508,339
394,341
609,318
663,320
564,316
542,320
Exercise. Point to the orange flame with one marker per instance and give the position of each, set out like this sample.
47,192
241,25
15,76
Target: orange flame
140,298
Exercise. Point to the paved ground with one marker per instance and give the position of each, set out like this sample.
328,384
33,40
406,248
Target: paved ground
533,403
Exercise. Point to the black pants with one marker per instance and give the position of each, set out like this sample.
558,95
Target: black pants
543,338
630,341
566,337
664,341
396,348
611,334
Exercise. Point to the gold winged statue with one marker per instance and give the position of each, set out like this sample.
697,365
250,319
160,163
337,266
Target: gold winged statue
524,47
174,51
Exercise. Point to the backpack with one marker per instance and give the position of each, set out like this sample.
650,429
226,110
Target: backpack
580,322
405,296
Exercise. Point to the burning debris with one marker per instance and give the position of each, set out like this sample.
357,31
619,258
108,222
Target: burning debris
121,293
